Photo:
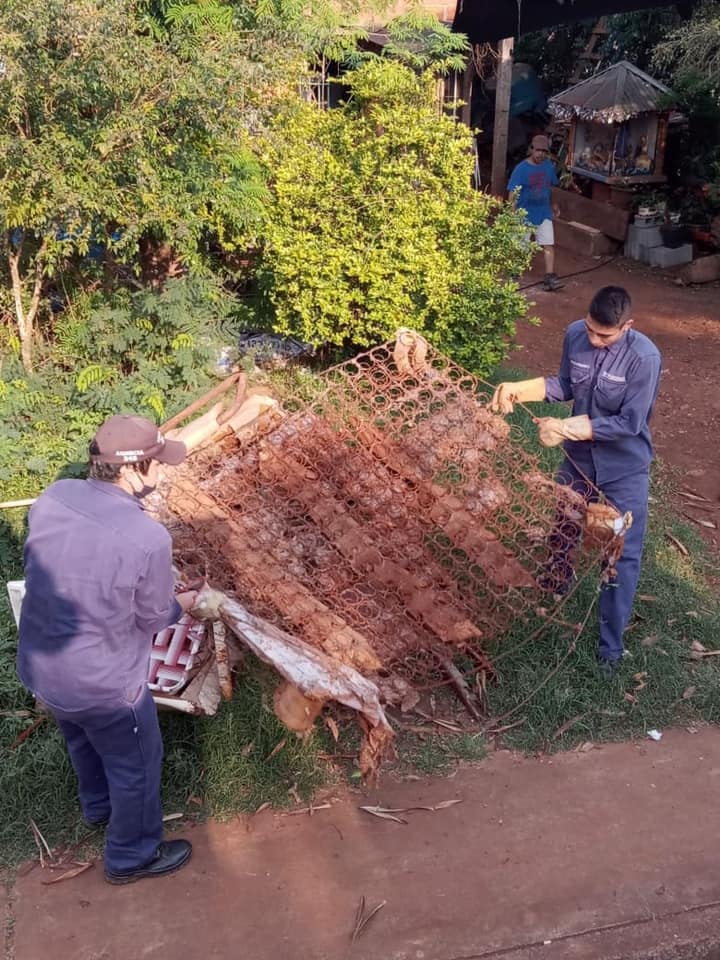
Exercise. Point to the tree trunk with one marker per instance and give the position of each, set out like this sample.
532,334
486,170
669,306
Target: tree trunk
25,319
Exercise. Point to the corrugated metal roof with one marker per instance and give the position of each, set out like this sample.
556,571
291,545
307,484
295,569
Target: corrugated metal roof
611,96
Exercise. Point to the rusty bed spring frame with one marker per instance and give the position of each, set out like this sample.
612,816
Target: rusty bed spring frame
392,521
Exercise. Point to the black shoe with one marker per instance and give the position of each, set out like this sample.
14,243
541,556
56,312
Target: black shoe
169,857
552,282
609,669
98,823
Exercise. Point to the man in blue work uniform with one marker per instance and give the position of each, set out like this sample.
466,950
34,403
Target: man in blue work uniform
533,180
612,374
99,585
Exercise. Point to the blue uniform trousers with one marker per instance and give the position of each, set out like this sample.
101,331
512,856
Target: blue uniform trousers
617,596
116,752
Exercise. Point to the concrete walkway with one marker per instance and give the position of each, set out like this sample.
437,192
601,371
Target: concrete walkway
609,853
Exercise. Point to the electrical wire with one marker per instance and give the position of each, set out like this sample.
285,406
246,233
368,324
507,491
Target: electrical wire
577,273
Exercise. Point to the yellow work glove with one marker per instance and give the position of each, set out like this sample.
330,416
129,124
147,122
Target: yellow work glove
523,391
553,430
603,523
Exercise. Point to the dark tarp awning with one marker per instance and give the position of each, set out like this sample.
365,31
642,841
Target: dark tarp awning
485,21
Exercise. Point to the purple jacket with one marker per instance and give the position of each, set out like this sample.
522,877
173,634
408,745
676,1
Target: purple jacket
616,387
99,584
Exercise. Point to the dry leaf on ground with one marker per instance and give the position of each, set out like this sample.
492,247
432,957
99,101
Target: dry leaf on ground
383,814
333,728
276,750
69,874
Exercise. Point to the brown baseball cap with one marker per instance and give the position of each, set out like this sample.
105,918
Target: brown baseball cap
128,439
540,142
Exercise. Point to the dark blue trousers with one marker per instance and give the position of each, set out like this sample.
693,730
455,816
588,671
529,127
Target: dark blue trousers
116,752
617,596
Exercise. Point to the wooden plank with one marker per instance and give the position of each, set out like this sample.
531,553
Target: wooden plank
609,219
498,181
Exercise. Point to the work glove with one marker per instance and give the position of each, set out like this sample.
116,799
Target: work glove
603,522
553,430
207,604
522,391
605,528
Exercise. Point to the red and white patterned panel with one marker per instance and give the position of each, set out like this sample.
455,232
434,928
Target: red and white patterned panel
173,654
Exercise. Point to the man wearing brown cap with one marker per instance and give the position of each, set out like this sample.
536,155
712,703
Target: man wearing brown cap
99,584
533,179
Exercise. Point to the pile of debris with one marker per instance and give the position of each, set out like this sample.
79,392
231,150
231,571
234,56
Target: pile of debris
369,536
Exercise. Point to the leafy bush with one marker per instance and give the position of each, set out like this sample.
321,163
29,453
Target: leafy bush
375,225
147,352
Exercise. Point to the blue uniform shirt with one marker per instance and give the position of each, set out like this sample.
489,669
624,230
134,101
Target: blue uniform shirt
99,584
616,387
534,181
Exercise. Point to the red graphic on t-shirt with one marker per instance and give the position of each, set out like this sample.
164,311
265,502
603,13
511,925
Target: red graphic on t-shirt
538,185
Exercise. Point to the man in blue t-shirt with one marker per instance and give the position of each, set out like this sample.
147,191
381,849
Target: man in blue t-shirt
532,179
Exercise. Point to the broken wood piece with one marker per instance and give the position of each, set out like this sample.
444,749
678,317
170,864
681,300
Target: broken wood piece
201,402
8,504
27,731
463,691
700,522
677,544
249,412
314,673
197,432
222,661
309,810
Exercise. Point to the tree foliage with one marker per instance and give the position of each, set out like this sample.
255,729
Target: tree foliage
107,136
148,352
690,53
375,225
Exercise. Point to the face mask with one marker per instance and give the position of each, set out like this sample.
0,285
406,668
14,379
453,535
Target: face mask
144,491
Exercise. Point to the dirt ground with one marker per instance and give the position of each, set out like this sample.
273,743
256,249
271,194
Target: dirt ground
597,853
684,323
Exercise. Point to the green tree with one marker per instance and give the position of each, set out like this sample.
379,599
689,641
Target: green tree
109,136
690,54
375,225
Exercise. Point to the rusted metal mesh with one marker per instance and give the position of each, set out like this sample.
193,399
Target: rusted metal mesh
391,521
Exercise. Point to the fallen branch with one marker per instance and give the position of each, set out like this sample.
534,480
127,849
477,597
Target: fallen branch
460,684
309,810
27,731
676,543
700,522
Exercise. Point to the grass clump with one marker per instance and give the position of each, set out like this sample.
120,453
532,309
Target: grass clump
438,754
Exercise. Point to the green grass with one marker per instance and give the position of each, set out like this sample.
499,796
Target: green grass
437,753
